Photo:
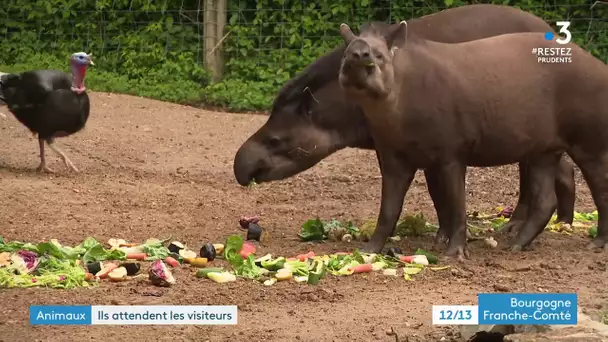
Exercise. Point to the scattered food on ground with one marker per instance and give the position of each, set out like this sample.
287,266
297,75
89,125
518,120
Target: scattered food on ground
50,264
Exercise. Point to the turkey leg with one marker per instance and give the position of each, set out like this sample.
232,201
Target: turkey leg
42,166
66,160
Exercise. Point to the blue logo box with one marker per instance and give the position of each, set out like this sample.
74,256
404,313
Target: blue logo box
60,314
528,308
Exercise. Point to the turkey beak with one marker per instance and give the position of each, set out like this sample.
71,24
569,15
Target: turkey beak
91,59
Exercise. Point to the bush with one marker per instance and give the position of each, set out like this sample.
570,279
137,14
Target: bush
154,49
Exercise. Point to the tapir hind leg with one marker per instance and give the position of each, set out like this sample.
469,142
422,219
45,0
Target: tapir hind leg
565,189
594,169
541,187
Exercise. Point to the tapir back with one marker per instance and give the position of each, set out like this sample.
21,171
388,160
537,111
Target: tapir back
470,91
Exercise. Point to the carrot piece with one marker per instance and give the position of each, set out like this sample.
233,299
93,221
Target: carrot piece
407,258
303,257
88,276
172,262
137,256
363,268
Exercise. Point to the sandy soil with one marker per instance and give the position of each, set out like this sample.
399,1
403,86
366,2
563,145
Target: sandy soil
153,169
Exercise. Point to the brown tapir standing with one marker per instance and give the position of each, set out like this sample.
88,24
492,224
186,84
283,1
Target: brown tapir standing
483,103
309,122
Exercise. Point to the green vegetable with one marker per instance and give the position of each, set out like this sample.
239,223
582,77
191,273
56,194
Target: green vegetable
202,273
586,217
410,270
358,257
232,250
266,257
498,222
430,257
593,231
248,269
98,253
312,230
316,272
297,267
155,249
55,249
412,225
51,272
273,265
15,246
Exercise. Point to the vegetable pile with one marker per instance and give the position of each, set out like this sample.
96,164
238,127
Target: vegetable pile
50,264
334,230
310,268
581,222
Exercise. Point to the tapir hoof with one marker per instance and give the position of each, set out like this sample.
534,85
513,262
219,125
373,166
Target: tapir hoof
441,238
460,253
515,248
372,247
518,246
598,243
509,227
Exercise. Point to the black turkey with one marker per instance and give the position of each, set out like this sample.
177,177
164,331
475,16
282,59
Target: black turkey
50,103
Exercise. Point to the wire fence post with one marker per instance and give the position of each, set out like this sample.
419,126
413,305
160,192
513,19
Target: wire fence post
221,16
214,21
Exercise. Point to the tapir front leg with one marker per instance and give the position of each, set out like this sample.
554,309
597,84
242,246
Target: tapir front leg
397,176
453,185
433,184
520,213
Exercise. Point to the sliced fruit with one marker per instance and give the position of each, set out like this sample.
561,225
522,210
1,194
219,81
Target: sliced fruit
221,277
198,262
284,274
175,247
219,248
118,274
187,255
106,268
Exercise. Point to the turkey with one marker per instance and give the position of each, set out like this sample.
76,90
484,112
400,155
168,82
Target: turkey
50,103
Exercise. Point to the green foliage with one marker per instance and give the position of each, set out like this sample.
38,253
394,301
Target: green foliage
139,47
281,37
154,48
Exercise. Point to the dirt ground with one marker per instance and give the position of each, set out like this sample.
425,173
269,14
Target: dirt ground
153,169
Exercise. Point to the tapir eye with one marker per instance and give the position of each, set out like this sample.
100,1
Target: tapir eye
379,56
274,141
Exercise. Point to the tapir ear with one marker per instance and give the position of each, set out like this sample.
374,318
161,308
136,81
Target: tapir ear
346,33
9,78
396,38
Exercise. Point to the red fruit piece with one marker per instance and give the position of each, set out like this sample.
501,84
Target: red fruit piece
246,220
248,248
